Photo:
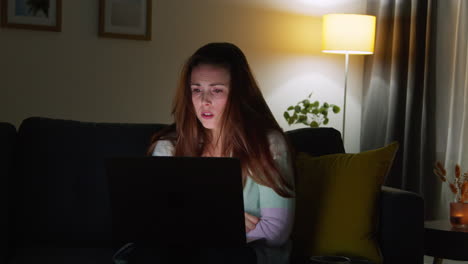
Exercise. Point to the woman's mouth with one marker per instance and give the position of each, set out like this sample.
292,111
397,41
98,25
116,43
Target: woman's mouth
207,115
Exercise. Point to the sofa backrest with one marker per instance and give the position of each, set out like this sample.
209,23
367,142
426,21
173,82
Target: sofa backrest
60,188
316,141
61,193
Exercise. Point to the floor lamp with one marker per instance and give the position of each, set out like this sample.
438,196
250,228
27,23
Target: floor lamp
348,34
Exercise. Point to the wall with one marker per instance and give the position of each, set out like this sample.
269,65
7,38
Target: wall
75,74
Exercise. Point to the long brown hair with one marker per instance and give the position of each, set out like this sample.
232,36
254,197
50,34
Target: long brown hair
246,120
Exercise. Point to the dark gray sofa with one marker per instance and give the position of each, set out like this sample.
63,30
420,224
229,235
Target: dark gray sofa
55,196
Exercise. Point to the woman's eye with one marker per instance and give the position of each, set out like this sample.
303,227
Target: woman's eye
218,90
195,90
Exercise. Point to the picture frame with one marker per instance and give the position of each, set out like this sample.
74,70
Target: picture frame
32,14
126,19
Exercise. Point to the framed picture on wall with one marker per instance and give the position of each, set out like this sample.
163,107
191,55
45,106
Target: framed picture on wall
32,14
129,19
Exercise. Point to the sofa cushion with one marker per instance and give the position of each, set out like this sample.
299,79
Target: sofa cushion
336,203
60,191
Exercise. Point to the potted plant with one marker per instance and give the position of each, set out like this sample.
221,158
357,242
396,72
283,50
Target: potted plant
309,113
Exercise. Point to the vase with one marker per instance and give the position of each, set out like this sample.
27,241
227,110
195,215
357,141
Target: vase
459,215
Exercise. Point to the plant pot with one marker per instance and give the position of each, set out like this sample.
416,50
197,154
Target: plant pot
459,215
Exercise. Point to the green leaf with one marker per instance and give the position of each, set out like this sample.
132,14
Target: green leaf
290,108
324,112
286,115
314,124
297,109
293,118
326,105
302,118
336,109
306,103
316,103
315,111
325,122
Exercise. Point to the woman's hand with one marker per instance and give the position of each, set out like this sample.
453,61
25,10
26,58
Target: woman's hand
250,222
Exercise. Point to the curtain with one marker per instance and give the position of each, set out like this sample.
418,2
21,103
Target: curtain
399,93
452,93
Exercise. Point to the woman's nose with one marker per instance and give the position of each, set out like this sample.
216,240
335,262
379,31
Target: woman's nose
206,98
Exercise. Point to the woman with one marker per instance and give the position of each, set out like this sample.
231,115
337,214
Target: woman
219,111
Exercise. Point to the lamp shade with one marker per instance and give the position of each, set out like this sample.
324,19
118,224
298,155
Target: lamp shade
348,33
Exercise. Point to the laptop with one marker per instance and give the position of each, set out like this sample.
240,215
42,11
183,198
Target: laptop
176,201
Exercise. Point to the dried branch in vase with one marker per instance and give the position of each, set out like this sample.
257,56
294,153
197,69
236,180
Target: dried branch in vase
459,186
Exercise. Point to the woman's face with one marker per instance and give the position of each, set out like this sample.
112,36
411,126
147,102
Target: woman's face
210,87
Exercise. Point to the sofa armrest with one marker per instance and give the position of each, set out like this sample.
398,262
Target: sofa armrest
7,145
401,230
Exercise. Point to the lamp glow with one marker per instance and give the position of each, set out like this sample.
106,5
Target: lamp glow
348,33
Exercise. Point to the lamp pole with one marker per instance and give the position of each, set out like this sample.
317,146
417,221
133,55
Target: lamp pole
345,92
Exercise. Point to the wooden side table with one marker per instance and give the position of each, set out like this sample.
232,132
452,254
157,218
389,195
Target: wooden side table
441,241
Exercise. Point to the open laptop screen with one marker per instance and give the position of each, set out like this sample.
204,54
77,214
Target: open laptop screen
176,201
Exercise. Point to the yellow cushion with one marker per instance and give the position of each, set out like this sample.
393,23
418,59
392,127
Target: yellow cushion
336,203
